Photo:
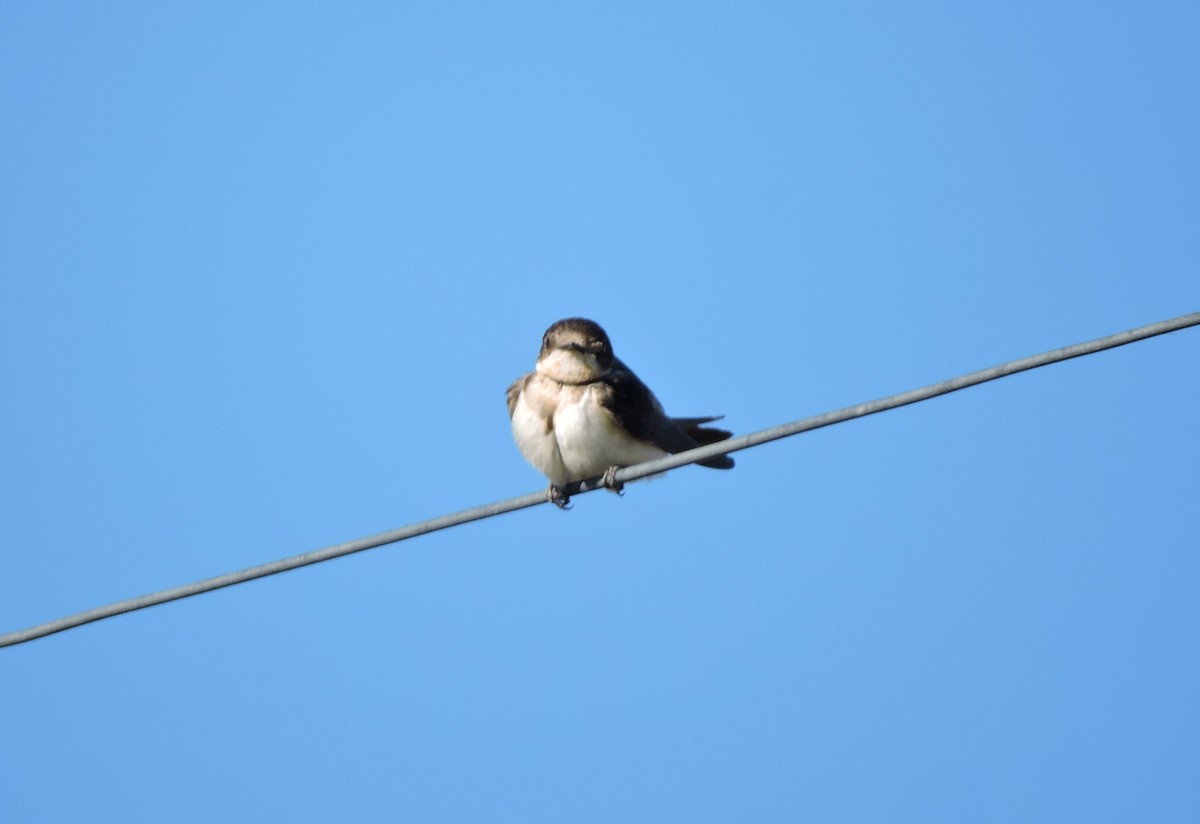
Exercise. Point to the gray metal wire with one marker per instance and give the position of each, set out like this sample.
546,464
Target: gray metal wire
626,475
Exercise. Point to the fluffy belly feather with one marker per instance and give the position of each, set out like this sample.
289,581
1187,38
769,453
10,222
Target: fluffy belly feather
589,441
581,440
536,439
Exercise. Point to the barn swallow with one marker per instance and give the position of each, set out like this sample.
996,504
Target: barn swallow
583,413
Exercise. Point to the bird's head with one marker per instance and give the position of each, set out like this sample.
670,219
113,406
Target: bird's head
575,350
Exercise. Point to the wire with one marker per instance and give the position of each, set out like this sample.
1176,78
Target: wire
625,475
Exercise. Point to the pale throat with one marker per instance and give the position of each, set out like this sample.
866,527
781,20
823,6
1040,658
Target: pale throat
568,366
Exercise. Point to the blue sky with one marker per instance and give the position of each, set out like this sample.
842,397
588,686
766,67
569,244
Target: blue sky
268,269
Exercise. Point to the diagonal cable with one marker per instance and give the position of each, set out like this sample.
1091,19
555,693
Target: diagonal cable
625,475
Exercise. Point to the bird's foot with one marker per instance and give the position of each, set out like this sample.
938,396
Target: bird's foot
609,480
557,497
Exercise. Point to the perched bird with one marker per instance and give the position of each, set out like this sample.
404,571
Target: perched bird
583,413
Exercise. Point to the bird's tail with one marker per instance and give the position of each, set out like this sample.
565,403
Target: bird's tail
704,435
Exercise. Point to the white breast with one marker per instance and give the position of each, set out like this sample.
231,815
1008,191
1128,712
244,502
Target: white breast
565,432
534,434
589,440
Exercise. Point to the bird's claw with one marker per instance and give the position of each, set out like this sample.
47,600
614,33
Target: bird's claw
557,497
609,480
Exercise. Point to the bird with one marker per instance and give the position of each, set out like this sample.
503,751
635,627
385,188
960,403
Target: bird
582,413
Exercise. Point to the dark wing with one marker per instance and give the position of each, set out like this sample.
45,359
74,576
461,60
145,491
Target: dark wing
513,391
634,407
690,423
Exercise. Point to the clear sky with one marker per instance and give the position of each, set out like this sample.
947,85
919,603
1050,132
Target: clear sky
267,269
